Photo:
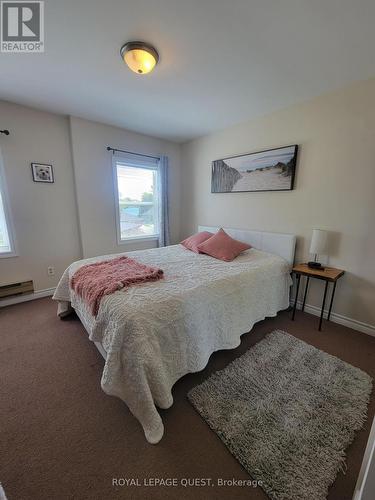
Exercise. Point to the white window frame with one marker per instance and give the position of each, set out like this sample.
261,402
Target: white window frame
7,213
137,161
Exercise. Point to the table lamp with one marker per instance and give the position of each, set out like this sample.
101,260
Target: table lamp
318,246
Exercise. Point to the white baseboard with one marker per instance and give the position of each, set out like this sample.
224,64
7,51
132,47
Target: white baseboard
25,298
339,318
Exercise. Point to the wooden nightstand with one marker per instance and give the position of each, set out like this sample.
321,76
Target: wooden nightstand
329,275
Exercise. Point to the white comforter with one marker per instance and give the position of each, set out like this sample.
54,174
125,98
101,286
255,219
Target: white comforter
154,333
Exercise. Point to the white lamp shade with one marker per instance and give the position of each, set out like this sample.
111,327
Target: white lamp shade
319,241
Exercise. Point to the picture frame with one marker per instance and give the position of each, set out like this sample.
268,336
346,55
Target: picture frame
42,173
268,170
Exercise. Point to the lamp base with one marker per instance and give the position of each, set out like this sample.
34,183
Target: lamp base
315,265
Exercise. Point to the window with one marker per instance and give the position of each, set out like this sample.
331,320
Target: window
6,241
137,190
4,235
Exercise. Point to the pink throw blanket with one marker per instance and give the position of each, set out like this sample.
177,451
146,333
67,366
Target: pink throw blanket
93,281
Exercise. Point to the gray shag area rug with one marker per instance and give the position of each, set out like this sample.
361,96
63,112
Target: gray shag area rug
287,411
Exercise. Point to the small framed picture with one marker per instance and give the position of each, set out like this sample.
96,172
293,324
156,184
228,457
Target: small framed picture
42,173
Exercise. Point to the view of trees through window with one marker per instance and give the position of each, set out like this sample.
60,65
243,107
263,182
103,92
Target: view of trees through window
138,201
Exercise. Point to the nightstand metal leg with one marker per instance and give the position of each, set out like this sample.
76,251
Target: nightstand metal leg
330,305
324,303
295,300
305,294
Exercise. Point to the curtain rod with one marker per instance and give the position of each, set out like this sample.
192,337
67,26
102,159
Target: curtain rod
132,153
5,132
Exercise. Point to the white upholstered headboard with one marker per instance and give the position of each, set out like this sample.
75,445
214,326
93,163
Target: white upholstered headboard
278,243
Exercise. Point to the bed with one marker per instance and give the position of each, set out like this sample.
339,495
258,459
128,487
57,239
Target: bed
152,334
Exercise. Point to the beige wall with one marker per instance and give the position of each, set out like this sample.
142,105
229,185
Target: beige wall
334,189
45,215
95,188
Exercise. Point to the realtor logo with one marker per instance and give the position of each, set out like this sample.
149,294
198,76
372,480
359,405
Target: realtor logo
22,26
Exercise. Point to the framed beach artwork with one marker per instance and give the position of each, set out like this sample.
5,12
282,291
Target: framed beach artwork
270,170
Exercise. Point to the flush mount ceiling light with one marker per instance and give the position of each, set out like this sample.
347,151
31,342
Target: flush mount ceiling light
139,56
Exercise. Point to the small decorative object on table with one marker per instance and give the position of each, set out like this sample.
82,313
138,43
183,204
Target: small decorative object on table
42,172
327,274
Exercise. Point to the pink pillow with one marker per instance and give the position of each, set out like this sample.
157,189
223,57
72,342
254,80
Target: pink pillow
193,241
222,246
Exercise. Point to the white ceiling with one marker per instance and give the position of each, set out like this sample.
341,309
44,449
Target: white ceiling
222,61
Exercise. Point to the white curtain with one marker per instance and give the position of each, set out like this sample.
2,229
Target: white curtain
164,238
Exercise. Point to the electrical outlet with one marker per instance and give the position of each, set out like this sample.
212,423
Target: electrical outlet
51,271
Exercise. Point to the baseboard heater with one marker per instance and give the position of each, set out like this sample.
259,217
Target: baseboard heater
13,289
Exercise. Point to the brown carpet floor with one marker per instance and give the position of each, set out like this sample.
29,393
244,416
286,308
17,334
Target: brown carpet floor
61,437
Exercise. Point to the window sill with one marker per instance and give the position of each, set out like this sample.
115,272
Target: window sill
7,255
134,239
